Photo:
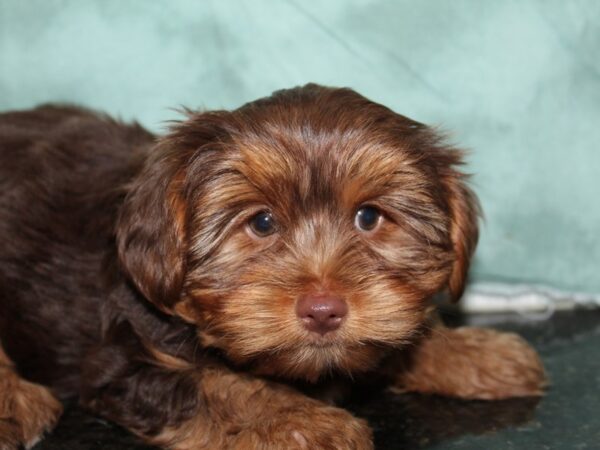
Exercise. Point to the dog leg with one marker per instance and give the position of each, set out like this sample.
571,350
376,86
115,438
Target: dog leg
182,405
473,363
27,410
234,411
242,412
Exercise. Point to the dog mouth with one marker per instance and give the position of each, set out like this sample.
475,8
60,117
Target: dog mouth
316,340
311,361
309,357
321,344
299,353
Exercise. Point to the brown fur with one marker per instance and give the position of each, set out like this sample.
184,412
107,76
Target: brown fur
254,413
129,275
472,363
27,410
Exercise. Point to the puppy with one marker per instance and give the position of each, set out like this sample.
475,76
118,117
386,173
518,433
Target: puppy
195,288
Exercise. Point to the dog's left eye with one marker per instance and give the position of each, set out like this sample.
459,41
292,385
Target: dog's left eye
367,218
262,224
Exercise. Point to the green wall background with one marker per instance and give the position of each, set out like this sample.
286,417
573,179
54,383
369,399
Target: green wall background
517,82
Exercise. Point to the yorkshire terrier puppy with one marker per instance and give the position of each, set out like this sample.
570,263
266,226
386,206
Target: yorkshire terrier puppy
200,288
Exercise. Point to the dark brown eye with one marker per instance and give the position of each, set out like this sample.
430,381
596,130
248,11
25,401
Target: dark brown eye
262,224
367,218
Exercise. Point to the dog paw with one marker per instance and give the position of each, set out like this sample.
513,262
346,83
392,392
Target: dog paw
30,411
9,435
307,427
476,363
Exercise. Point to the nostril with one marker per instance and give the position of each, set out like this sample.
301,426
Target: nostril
321,312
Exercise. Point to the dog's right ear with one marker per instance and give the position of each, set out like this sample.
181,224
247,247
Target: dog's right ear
151,230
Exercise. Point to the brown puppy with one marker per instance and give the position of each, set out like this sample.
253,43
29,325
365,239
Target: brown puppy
192,287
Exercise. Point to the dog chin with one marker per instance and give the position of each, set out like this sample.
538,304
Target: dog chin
319,359
311,357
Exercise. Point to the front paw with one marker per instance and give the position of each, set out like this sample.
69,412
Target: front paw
27,411
476,363
307,427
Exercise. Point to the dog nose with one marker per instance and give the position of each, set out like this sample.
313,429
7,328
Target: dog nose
321,313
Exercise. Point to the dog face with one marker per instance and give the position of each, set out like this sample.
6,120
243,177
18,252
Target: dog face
302,233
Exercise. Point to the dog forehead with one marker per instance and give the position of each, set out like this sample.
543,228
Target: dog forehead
298,166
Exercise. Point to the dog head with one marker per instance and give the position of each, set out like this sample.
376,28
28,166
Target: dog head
302,233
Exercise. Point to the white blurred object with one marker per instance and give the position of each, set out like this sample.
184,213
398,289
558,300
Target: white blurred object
488,297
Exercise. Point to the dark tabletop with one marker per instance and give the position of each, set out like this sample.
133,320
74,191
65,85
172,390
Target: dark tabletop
568,417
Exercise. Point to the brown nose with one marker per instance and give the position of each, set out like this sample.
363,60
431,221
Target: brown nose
321,312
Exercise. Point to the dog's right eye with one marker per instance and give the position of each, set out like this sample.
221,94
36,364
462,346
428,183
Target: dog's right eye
262,224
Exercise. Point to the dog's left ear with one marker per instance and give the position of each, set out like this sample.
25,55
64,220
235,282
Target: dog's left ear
151,236
464,211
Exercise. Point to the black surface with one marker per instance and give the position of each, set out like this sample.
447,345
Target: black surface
568,417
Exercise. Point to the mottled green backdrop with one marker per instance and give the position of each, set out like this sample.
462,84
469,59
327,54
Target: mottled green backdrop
517,82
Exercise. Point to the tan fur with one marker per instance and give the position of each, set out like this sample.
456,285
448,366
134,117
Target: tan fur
312,159
318,247
243,412
463,230
27,410
168,361
473,363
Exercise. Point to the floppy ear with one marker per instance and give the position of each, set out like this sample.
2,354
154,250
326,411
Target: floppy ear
151,228
151,231
464,213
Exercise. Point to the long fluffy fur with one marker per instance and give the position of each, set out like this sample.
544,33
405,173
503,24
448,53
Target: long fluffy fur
128,277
